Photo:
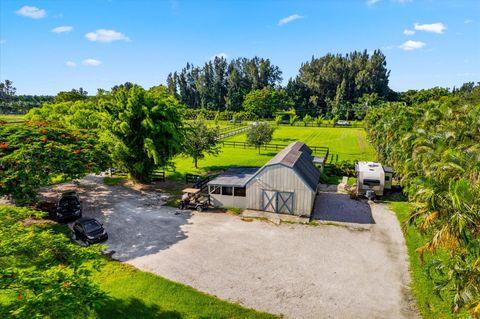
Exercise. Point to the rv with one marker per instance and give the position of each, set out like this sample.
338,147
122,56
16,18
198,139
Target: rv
372,176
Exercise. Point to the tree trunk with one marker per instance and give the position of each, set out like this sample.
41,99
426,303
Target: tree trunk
195,160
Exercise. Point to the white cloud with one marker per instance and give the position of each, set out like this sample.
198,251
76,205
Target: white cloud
71,64
62,29
372,2
289,19
467,21
411,45
31,12
433,27
220,55
103,35
91,62
408,32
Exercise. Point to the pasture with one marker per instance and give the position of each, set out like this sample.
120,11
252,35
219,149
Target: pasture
344,143
11,118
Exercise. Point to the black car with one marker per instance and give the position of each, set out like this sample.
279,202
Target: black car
69,207
89,230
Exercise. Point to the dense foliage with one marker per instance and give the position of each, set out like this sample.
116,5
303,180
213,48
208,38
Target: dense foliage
328,86
219,85
144,129
331,84
265,102
16,104
42,273
34,153
200,140
259,134
434,147
78,114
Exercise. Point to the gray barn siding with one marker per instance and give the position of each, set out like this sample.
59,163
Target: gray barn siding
282,179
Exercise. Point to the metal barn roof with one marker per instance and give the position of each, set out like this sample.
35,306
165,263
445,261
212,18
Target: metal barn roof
298,156
236,176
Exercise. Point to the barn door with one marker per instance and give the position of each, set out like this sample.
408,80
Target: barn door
269,201
285,202
277,202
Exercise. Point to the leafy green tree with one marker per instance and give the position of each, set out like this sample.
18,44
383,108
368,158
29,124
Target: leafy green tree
34,153
80,114
201,140
265,102
307,119
143,128
259,134
293,118
434,148
73,95
43,273
278,119
7,90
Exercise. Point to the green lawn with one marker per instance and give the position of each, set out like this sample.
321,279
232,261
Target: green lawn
344,144
11,118
137,294
428,303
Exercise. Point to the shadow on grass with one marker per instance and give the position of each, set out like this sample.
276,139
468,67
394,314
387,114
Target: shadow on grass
134,308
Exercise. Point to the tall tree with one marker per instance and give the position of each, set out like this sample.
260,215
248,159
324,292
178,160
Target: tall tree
259,134
200,140
144,128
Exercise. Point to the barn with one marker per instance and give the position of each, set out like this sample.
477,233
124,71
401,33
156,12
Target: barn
286,184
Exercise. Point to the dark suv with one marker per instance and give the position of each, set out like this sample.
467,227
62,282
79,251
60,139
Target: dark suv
69,207
89,231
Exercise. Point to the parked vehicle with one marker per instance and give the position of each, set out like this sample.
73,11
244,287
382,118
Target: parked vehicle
236,121
89,231
69,207
342,123
192,200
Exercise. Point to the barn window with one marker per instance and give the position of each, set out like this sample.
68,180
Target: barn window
227,190
371,182
214,189
239,191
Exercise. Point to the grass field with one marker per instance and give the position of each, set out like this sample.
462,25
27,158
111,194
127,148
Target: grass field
11,118
430,305
137,294
344,143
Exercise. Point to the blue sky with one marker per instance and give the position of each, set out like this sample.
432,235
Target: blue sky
49,46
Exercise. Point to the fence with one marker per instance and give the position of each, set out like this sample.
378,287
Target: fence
317,150
158,176
198,181
313,124
235,132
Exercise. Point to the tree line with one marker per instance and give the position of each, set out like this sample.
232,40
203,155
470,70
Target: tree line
334,86
432,140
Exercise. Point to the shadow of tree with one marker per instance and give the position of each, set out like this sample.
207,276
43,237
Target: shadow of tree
134,308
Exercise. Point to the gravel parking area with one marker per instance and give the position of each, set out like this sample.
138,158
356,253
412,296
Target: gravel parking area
299,271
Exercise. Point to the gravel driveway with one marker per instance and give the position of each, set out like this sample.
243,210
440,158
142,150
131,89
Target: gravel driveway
299,271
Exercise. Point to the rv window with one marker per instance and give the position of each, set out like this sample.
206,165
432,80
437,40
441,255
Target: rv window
239,191
371,182
214,189
387,178
228,191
